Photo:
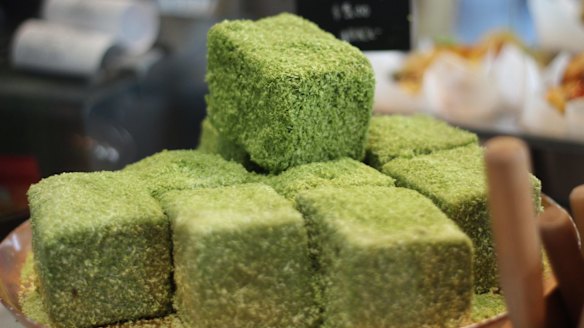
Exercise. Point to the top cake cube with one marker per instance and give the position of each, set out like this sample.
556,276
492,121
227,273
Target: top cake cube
288,92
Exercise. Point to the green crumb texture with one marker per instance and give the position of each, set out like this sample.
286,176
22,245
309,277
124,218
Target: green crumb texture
386,257
29,298
455,180
486,306
33,308
241,258
214,143
398,136
102,249
288,92
169,321
342,173
186,169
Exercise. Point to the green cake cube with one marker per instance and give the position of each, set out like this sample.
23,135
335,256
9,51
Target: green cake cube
214,143
101,246
399,136
455,180
241,258
186,169
342,172
387,257
288,92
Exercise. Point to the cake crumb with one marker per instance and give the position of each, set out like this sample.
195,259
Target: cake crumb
32,306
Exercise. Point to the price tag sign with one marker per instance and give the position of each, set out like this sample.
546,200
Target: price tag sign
368,25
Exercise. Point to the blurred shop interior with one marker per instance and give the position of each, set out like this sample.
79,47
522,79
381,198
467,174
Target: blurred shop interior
103,86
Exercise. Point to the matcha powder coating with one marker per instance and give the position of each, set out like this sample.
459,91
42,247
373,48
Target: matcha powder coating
288,92
186,169
387,257
213,143
241,258
396,136
340,173
455,180
102,249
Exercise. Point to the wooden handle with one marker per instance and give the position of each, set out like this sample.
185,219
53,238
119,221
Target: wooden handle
515,230
581,324
577,204
561,243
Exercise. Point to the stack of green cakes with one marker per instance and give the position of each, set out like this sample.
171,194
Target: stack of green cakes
297,210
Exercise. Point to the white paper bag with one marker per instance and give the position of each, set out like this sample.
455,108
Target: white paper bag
517,77
390,97
460,92
541,119
575,119
558,24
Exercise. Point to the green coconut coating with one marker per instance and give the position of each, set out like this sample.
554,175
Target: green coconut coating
398,136
288,92
186,169
487,305
387,257
32,306
342,172
214,143
102,249
241,258
455,180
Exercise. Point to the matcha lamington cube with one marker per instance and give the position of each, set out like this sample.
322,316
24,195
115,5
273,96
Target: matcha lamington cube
398,136
241,258
101,246
288,92
455,180
214,143
387,257
341,172
186,169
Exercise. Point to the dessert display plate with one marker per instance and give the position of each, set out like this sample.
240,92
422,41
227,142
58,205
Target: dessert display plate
13,251
17,245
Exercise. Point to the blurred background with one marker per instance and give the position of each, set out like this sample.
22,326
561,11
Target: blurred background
89,85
